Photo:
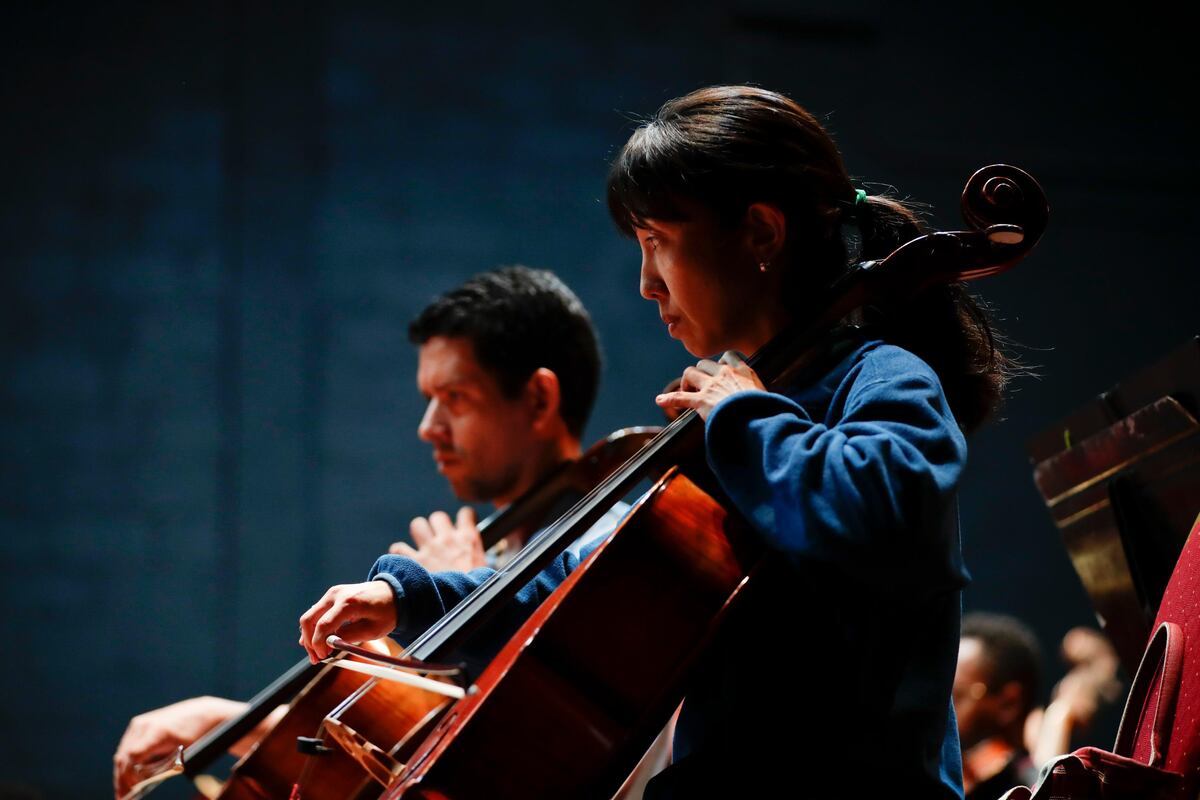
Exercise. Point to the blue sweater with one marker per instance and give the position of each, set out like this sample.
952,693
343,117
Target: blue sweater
835,679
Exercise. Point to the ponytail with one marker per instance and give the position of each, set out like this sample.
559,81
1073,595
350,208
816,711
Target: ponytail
945,326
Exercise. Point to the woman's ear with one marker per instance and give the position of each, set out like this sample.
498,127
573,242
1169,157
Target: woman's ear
544,395
766,231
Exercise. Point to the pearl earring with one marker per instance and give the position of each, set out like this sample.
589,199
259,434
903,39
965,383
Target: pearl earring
762,266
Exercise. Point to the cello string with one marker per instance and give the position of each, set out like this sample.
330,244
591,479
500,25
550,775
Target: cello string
396,676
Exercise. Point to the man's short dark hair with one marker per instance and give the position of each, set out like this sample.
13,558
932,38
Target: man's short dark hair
519,320
1011,650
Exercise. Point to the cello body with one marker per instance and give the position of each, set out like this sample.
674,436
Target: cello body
383,713
604,659
371,716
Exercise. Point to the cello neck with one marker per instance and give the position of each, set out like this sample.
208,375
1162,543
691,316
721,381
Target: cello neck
215,743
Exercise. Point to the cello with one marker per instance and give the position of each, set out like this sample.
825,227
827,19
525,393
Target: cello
603,689
375,720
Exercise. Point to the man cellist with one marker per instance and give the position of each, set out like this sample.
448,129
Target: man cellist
509,365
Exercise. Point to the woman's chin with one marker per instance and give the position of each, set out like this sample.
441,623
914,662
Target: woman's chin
700,348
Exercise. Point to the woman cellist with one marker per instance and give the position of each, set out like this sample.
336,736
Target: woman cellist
742,208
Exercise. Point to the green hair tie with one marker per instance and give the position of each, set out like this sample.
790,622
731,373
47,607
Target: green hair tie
860,197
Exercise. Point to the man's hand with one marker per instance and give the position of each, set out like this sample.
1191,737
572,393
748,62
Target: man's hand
1074,701
155,734
358,612
444,545
710,382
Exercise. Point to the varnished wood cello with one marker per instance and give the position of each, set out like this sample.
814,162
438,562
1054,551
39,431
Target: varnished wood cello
562,712
375,720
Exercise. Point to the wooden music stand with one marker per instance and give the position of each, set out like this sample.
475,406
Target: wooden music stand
1121,479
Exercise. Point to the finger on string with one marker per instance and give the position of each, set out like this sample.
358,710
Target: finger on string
677,400
694,380
121,786
120,764
708,366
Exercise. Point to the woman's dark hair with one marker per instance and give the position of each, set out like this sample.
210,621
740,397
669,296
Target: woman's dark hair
517,320
727,147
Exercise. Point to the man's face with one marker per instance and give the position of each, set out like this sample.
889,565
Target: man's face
479,437
972,702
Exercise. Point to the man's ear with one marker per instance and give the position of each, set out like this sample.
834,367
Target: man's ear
766,231
544,397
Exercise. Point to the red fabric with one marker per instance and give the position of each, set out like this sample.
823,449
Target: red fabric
1107,775
1160,766
1181,605
1093,774
1143,749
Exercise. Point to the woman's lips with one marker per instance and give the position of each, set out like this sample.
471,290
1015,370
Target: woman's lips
671,321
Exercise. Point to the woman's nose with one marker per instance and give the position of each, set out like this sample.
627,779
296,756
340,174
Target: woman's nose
649,283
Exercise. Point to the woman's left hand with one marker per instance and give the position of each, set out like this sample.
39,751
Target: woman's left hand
710,382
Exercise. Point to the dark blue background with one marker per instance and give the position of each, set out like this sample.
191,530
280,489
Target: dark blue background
217,221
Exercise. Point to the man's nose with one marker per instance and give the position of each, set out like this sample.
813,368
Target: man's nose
432,428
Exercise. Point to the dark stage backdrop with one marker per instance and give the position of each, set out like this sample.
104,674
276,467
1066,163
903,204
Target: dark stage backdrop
217,220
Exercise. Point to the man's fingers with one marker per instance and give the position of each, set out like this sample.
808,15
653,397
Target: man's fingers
141,744
708,366
121,764
402,549
441,524
469,537
465,518
146,753
121,784
421,531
